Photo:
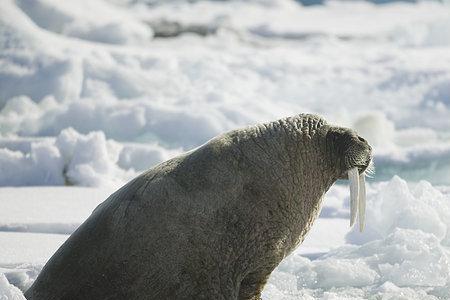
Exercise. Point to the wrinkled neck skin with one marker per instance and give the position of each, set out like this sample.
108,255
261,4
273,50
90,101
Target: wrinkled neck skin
291,166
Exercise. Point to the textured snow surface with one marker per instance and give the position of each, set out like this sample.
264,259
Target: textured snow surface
403,253
75,159
9,291
92,92
95,66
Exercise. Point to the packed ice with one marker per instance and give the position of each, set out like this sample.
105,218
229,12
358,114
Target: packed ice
94,92
402,253
105,72
9,291
72,158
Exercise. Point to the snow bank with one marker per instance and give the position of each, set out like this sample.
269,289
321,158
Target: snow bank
263,60
22,256
403,251
214,84
285,19
74,159
8,291
397,206
96,21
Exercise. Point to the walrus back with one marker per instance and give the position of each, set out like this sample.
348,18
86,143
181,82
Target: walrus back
136,241
75,270
210,224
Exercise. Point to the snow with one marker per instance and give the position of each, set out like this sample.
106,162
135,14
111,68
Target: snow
48,209
95,21
36,221
75,159
263,60
93,92
422,208
8,291
404,250
19,249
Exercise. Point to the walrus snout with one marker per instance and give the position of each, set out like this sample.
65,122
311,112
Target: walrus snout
359,154
354,159
352,150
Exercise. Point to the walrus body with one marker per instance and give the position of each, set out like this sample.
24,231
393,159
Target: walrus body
210,224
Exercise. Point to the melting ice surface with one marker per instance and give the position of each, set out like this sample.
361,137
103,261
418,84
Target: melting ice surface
91,94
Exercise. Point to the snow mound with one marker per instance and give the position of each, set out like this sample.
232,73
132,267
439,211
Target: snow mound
263,60
8,291
396,205
403,251
96,21
75,159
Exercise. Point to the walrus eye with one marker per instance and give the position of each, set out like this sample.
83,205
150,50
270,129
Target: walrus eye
357,197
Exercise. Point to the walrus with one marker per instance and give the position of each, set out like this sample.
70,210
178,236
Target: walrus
212,223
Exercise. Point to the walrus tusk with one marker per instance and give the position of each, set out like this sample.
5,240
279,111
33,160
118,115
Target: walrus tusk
353,176
362,201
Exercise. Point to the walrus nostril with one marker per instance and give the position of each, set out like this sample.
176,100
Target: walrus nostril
361,139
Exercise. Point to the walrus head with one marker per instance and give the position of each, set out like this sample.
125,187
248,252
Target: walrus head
352,151
306,155
354,161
